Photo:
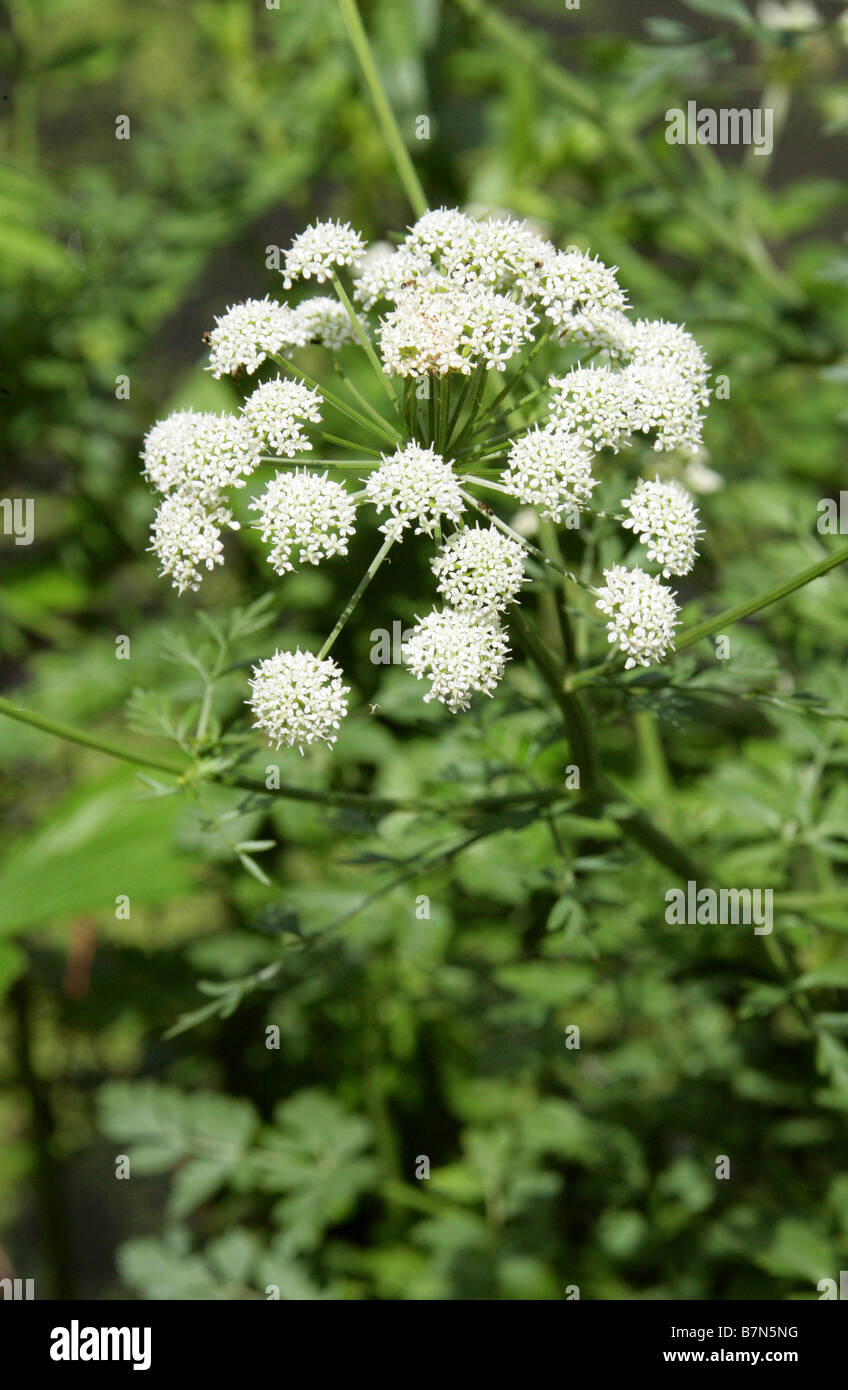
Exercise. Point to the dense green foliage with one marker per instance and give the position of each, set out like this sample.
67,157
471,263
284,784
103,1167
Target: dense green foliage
402,1034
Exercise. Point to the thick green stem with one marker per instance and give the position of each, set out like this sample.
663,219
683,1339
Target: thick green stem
693,634
385,115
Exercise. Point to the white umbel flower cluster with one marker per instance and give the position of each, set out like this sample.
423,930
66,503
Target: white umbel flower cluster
437,328
298,699
187,540
199,454
277,411
642,614
480,569
457,298
316,253
414,484
665,519
461,651
306,516
246,333
550,469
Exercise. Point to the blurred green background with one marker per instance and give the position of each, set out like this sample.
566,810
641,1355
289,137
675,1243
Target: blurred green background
404,1036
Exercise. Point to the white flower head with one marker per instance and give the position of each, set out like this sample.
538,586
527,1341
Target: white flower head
199,454
322,320
247,333
445,238
316,252
669,345
642,614
383,272
662,401
551,469
595,402
480,569
298,699
460,651
578,293
437,327
664,517
414,484
277,411
187,539
305,516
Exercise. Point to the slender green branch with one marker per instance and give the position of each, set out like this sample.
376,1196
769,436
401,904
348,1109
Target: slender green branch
385,115
357,594
365,342
746,609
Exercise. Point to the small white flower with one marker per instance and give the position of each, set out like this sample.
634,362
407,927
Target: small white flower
642,614
665,519
304,515
437,327
663,402
669,345
551,469
247,333
297,698
446,238
318,250
482,569
322,320
578,293
414,484
276,412
459,651
383,271
187,539
594,402
199,454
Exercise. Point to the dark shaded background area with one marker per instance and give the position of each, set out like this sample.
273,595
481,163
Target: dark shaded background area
401,1037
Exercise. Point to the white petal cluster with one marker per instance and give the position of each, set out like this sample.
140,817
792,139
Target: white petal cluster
305,516
200,454
276,413
669,345
187,539
642,614
551,469
663,403
437,328
664,517
384,271
579,295
322,320
298,699
316,252
480,568
414,484
460,651
593,402
246,333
